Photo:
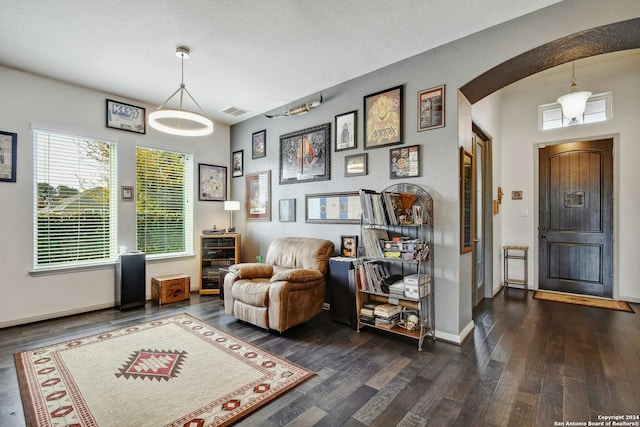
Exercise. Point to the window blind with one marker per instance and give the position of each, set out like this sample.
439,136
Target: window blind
74,200
164,203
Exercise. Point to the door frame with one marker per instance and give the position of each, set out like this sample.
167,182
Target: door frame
534,258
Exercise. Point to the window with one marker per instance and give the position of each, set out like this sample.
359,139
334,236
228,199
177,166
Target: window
74,200
164,201
598,109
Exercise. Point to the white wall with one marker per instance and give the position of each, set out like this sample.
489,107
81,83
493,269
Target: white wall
29,100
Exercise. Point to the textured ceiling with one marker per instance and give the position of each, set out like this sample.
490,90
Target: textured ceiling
253,54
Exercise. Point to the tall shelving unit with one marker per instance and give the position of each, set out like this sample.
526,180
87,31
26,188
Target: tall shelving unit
397,231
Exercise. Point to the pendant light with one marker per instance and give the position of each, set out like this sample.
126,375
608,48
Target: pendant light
178,121
574,103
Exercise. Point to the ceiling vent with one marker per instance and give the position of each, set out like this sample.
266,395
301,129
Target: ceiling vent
234,111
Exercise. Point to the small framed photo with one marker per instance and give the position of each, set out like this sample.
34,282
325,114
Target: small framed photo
237,164
404,162
383,118
349,246
212,183
259,144
346,137
355,165
431,108
287,210
126,117
8,156
126,193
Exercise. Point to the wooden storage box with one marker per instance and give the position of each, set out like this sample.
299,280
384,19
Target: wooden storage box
171,288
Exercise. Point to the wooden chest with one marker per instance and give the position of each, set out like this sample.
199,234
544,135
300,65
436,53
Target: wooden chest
171,288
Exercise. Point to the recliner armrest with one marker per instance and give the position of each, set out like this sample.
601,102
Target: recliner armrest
251,270
298,275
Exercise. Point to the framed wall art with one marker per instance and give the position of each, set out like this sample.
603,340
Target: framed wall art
349,246
126,117
258,196
355,165
8,156
404,162
305,155
126,193
237,164
431,108
346,137
259,144
287,211
383,118
333,208
466,201
212,183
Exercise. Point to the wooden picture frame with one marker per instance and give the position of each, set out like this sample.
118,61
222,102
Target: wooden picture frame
383,118
258,196
122,116
346,134
259,144
8,156
287,210
349,246
212,183
305,155
404,162
337,208
237,164
126,193
355,165
467,201
431,108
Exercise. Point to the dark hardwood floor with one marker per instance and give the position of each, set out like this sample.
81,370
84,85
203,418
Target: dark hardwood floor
527,363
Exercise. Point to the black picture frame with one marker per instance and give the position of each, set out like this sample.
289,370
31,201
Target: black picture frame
8,156
431,108
349,246
287,211
346,133
404,162
305,155
383,118
212,183
237,164
259,144
123,116
355,165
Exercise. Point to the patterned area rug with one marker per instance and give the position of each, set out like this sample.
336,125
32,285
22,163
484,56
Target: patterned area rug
176,371
582,300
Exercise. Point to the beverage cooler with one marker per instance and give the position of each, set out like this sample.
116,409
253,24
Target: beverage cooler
131,280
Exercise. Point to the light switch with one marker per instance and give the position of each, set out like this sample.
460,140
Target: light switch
524,212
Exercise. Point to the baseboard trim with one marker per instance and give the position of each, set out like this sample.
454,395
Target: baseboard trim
50,316
456,339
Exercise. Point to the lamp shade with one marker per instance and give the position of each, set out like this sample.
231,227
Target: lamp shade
573,104
231,205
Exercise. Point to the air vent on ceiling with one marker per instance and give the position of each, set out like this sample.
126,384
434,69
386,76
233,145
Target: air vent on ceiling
234,111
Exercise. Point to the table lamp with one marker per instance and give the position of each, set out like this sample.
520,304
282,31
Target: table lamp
231,205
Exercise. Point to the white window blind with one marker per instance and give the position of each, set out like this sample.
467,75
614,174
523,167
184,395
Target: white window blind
74,200
164,202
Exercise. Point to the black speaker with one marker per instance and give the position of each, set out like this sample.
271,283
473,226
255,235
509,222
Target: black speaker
131,280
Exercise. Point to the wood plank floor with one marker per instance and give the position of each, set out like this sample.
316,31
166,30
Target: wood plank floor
528,363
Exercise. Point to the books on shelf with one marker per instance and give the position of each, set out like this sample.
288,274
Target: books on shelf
390,208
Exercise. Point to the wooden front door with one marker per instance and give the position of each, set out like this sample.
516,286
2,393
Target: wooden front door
576,218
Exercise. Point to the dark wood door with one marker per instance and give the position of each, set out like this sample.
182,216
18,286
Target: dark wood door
576,218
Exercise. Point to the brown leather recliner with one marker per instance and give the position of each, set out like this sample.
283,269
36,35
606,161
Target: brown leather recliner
286,290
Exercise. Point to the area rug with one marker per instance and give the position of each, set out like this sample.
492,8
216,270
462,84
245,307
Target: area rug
583,300
176,371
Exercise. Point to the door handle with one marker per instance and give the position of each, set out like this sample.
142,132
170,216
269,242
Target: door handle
541,232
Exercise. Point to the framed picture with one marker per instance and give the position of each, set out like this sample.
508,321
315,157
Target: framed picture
355,165
383,118
346,137
305,155
237,164
431,108
8,156
466,201
287,210
126,117
333,208
404,162
349,246
126,192
212,183
258,196
259,144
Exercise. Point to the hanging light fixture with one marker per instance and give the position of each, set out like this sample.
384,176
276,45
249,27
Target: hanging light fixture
178,121
574,103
